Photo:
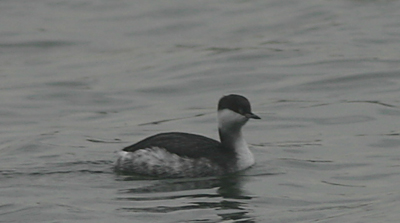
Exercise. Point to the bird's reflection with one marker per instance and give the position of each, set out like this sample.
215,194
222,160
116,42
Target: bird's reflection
222,195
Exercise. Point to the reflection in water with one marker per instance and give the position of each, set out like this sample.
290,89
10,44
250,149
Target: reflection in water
231,187
222,194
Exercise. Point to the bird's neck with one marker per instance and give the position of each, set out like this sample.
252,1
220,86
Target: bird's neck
232,140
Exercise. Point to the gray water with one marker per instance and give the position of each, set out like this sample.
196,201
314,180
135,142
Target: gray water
81,79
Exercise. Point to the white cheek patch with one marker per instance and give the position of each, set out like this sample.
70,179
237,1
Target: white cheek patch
230,119
159,162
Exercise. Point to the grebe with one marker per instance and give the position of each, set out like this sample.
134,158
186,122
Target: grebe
177,154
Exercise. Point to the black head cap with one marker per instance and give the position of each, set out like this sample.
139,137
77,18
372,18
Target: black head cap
238,104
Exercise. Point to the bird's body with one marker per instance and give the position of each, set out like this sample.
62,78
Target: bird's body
176,154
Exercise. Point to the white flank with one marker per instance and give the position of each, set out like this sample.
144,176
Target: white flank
159,162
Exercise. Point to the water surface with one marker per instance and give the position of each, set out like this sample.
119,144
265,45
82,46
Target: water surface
82,79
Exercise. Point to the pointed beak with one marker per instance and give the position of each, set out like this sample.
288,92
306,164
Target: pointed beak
251,115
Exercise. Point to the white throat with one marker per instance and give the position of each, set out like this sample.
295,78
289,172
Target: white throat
230,126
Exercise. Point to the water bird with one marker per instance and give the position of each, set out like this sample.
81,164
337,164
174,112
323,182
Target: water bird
186,155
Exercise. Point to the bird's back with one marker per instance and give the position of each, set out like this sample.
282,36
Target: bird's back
181,144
